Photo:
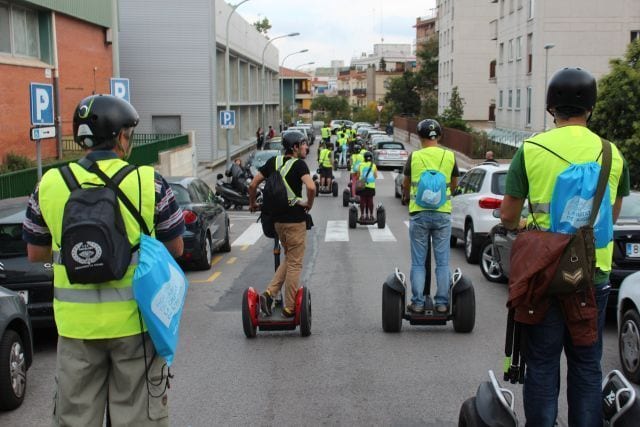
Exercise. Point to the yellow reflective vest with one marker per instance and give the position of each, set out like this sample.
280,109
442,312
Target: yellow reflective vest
431,158
363,172
325,158
325,132
577,144
104,310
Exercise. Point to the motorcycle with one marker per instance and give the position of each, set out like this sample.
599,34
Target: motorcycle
235,190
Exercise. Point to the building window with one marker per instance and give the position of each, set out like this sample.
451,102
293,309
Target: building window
501,53
19,31
166,124
492,69
635,35
531,8
510,53
510,6
500,97
510,99
451,80
529,101
529,53
517,99
519,48
502,8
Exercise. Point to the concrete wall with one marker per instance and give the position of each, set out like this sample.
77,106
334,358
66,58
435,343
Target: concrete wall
180,161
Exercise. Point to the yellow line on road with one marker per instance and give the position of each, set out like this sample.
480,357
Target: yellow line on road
231,260
244,247
216,260
211,278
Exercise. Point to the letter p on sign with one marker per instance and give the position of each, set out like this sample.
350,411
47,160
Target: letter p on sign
41,95
120,88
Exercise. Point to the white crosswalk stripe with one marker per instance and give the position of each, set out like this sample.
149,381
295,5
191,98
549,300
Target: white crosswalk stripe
381,234
337,231
250,236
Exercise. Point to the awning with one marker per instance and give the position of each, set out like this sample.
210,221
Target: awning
511,137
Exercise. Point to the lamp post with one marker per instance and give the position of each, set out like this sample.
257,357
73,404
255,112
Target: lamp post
547,47
262,77
293,89
282,85
227,78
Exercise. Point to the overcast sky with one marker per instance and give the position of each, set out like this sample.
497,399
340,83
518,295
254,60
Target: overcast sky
335,29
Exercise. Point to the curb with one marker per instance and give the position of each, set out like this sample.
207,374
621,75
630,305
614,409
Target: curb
238,152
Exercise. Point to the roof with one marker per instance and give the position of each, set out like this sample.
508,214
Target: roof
288,73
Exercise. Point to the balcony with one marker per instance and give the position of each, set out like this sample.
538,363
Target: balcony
361,92
344,92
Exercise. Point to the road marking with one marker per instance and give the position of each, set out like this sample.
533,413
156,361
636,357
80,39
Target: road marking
406,223
381,234
216,259
337,174
337,231
244,247
231,260
249,236
211,278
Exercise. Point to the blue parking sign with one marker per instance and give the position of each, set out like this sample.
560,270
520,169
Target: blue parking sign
120,88
41,95
227,119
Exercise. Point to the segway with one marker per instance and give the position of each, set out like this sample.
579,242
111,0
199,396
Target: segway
355,219
348,195
493,405
333,189
462,302
253,319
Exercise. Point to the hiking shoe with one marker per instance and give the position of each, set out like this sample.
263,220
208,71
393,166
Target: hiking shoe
265,303
288,313
415,308
442,308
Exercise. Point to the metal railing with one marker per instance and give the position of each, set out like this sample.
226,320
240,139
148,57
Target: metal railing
146,148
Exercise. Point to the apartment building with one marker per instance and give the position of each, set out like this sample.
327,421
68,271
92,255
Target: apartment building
352,84
296,95
537,37
397,56
465,55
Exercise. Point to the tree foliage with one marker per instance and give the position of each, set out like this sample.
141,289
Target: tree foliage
452,115
336,107
616,116
427,77
383,65
263,26
368,113
402,95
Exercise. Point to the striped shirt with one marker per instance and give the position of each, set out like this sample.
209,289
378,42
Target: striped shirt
168,220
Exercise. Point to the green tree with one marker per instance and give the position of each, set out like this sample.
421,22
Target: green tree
402,95
263,26
427,77
368,113
335,107
452,115
616,116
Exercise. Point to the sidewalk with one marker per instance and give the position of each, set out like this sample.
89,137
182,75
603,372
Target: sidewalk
207,171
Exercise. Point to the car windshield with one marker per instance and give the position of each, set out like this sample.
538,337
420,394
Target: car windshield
11,243
273,145
181,194
630,207
261,157
499,183
391,146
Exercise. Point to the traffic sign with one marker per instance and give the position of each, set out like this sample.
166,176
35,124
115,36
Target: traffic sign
120,88
41,95
227,119
379,107
43,132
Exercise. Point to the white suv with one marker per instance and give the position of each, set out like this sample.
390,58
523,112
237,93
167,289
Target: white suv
474,203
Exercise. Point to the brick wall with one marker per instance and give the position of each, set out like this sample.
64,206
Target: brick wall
81,48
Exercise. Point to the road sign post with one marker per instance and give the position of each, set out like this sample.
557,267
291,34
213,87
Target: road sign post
42,114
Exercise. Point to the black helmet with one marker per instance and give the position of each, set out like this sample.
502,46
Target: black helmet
429,129
98,120
357,147
292,138
368,156
572,87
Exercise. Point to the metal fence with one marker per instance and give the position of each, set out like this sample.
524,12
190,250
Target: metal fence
146,148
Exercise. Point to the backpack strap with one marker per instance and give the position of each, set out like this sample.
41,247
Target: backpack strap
552,152
603,179
69,178
93,168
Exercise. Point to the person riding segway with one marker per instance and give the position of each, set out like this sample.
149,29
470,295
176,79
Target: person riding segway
349,193
326,184
365,185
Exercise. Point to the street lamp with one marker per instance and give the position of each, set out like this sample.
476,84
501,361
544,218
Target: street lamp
227,78
282,85
547,47
262,77
293,89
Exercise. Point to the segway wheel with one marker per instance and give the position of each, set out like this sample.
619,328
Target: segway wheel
247,324
464,311
381,214
469,416
334,189
315,183
391,310
346,195
305,313
353,216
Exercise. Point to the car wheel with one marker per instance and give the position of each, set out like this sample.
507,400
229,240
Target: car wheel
489,266
226,245
629,345
13,370
471,251
204,262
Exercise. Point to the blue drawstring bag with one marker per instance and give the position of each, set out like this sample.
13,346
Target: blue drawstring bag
572,201
160,289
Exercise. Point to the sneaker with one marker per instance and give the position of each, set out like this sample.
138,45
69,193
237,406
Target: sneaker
265,303
442,308
288,313
415,308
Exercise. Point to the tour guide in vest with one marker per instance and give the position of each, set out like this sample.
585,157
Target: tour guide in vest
425,224
571,96
100,346
291,226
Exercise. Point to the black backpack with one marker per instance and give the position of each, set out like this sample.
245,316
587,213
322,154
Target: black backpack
94,247
275,200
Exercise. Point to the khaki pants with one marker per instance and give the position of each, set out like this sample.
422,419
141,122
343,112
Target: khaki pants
292,237
87,371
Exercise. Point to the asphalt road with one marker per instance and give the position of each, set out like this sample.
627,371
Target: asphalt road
348,372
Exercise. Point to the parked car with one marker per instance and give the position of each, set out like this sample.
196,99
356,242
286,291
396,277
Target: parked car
257,159
16,349
389,153
33,281
302,129
473,205
274,143
628,316
207,222
366,137
358,125
334,124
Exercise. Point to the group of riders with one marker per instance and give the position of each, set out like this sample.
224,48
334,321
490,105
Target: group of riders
360,164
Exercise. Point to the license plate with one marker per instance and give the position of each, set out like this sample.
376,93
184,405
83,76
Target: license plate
633,250
24,295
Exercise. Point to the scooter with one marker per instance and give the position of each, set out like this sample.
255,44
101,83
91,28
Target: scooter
462,302
354,219
231,196
493,405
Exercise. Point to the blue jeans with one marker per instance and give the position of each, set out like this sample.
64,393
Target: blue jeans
542,380
436,226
